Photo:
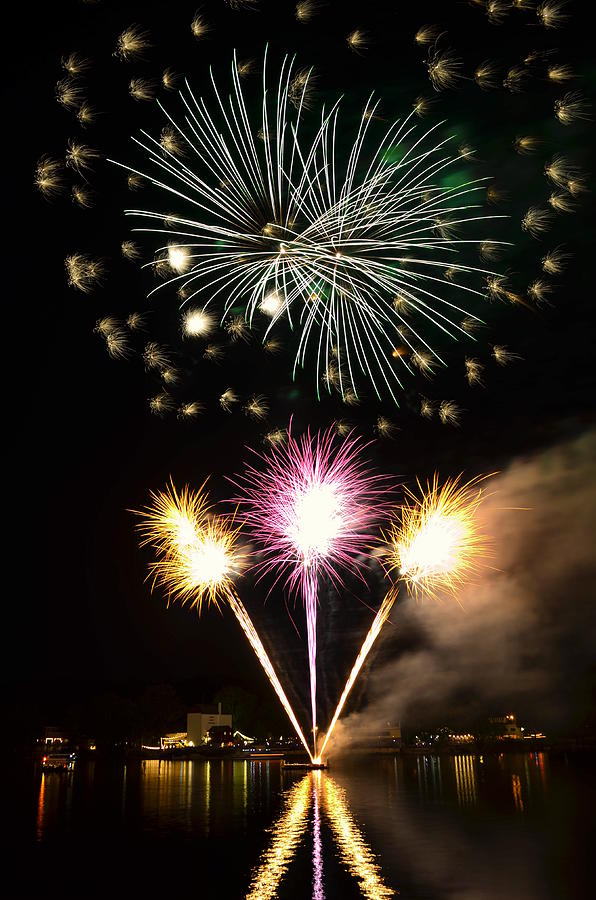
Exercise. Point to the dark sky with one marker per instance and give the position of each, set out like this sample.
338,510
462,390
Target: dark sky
88,449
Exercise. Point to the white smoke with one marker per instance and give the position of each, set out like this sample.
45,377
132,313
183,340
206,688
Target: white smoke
525,634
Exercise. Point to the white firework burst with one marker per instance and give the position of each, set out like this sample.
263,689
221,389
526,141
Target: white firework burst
334,239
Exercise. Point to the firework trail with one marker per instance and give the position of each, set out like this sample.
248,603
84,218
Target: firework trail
434,544
310,510
272,213
198,561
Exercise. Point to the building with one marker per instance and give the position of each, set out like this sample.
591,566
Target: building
506,727
390,736
201,718
54,736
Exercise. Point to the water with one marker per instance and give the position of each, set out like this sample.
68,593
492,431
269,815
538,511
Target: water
457,827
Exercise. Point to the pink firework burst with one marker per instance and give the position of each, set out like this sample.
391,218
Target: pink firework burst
311,508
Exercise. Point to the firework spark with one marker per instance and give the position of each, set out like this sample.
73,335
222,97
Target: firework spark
572,107
434,545
536,221
427,34
279,218
555,261
551,13
503,356
310,511
486,75
444,69
199,560
449,412
132,43
136,321
197,323
83,272
49,179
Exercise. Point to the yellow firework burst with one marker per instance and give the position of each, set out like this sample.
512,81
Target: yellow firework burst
486,75
444,69
132,43
449,412
427,34
358,40
49,179
199,25
572,107
80,156
141,88
435,543
198,554
555,261
551,13
74,64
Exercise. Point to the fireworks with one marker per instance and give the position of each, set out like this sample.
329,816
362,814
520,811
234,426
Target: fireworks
562,202
433,544
190,410
117,344
130,250
310,511
69,93
536,221
550,13
503,356
449,412
285,229
444,69
358,40
199,25
155,356
559,73
199,559
227,400
526,144
169,79
83,272
306,9
86,114
141,89
555,261
486,75
74,64
79,156
539,291
49,179
257,407
572,107
132,43
161,404
136,321
197,323
427,34
83,196
474,370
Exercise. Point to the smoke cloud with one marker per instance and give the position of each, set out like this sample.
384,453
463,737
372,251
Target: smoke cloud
524,637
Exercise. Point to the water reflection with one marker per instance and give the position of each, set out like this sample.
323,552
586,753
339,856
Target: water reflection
428,825
286,834
319,791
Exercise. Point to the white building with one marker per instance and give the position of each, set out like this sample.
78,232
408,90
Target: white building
201,718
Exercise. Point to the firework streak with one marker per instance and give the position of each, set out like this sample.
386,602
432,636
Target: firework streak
311,510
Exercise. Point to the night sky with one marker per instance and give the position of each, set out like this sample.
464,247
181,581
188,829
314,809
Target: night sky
87,448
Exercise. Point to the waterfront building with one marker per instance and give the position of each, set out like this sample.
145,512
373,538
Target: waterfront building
202,718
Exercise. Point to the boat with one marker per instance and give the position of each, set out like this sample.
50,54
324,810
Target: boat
304,765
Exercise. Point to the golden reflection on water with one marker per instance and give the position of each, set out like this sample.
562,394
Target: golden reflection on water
465,780
517,793
319,792
354,851
286,834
